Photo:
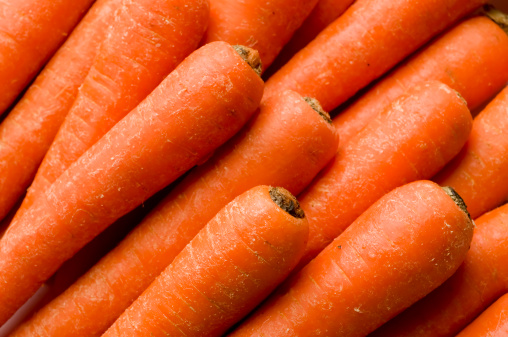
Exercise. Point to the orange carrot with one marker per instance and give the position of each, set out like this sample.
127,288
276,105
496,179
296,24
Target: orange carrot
238,258
286,144
264,25
201,104
367,40
30,32
493,322
147,40
472,58
29,129
481,279
404,246
412,139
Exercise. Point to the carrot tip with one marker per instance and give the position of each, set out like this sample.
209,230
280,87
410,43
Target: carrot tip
314,104
251,56
497,16
458,199
285,200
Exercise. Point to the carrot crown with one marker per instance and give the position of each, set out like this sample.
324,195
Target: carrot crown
458,199
500,18
251,56
314,104
285,200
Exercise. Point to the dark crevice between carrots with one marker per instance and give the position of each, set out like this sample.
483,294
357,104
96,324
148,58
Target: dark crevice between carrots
251,56
500,18
457,199
316,106
285,200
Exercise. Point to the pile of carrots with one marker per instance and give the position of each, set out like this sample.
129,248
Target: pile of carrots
253,168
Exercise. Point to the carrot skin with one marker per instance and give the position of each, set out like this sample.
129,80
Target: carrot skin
471,58
400,249
158,141
286,144
493,322
367,40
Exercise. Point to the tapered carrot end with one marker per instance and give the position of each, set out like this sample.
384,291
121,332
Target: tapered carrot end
285,200
251,56
458,199
314,104
497,16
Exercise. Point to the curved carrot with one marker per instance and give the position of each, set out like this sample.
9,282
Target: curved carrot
472,58
30,32
286,144
481,279
493,322
234,262
401,248
31,126
201,104
367,40
410,140
480,171
265,25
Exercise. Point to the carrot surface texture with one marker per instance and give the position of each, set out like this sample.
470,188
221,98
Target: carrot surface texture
201,104
471,58
479,281
367,40
286,144
410,140
265,25
31,126
401,248
30,32
493,322
147,40
238,258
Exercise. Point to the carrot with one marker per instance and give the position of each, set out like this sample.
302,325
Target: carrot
410,140
147,40
472,58
201,104
234,262
264,25
479,281
404,246
286,144
493,322
30,32
29,129
367,40
480,171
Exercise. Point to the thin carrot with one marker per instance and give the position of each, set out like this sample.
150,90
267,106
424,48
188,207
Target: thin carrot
29,129
265,25
493,322
286,145
367,40
30,32
404,246
238,258
481,279
201,104
472,58
410,140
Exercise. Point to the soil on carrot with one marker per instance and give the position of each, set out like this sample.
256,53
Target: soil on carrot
285,200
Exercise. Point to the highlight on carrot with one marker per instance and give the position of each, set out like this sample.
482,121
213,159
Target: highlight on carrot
479,281
471,58
30,32
31,126
371,37
410,140
234,262
493,322
201,104
285,144
401,248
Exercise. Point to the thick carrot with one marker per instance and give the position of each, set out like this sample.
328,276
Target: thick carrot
265,25
286,145
404,246
201,104
410,140
30,32
472,58
367,40
29,129
493,322
147,40
480,171
238,258
479,281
